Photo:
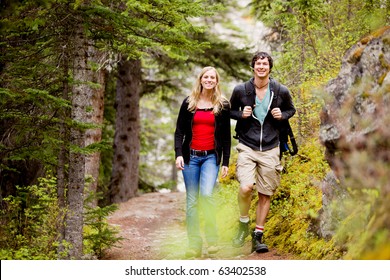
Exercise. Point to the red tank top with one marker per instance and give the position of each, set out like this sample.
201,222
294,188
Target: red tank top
203,130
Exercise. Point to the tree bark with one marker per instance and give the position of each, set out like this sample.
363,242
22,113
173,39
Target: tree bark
75,194
63,156
124,179
94,116
87,108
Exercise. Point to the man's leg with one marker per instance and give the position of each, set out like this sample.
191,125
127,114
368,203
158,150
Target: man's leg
262,210
268,180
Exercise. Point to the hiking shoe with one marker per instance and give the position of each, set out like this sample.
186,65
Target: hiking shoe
242,233
257,244
193,253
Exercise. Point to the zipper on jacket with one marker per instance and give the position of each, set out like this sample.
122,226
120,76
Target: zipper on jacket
261,138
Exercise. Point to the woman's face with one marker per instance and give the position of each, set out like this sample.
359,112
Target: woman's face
209,79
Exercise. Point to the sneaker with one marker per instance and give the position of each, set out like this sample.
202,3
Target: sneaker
242,233
257,244
193,253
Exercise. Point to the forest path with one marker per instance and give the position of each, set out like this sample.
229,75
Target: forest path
153,226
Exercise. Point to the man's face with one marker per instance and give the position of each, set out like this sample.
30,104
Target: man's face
261,68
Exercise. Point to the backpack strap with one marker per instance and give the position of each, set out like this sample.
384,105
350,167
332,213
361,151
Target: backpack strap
248,87
294,145
285,132
275,88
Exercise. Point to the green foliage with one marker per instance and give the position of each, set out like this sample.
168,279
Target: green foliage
227,209
315,34
98,234
362,231
137,28
29,222
32,80
295,206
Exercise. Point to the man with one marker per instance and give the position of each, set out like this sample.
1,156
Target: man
259,106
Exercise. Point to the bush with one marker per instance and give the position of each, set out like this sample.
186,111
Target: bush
296,204
29,222
98,234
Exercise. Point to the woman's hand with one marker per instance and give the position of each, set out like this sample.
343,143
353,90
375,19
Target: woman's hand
180,163
224,171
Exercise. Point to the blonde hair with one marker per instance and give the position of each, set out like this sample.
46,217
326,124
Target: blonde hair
217,99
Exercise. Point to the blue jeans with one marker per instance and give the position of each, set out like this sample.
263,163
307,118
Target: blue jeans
200,176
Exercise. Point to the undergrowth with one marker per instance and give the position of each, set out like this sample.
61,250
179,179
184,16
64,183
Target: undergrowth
30,222
296,204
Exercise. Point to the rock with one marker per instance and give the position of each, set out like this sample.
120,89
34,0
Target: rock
354,125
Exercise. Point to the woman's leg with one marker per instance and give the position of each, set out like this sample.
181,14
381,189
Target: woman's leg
191,174
208,177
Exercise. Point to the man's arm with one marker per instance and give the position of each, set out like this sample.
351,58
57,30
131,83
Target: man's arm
287,108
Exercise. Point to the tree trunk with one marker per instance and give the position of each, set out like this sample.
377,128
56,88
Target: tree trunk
63,156
124,179
300,111
94,116
87,107
75,193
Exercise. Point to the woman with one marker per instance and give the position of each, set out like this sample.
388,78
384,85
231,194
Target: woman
202,142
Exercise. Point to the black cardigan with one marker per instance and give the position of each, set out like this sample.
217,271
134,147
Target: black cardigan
222,135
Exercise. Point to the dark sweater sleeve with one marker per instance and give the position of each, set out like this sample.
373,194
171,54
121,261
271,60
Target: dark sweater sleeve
180,129
236,110
227,141
288,108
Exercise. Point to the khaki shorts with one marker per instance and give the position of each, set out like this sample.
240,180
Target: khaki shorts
260,168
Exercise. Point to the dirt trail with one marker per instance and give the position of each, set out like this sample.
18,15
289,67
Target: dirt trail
153,226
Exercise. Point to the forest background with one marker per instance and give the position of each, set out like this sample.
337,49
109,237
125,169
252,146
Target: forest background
89,93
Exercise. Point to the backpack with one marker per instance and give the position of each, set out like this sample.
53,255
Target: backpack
286,134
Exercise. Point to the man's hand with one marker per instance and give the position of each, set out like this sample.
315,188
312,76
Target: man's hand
276,113
247,112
